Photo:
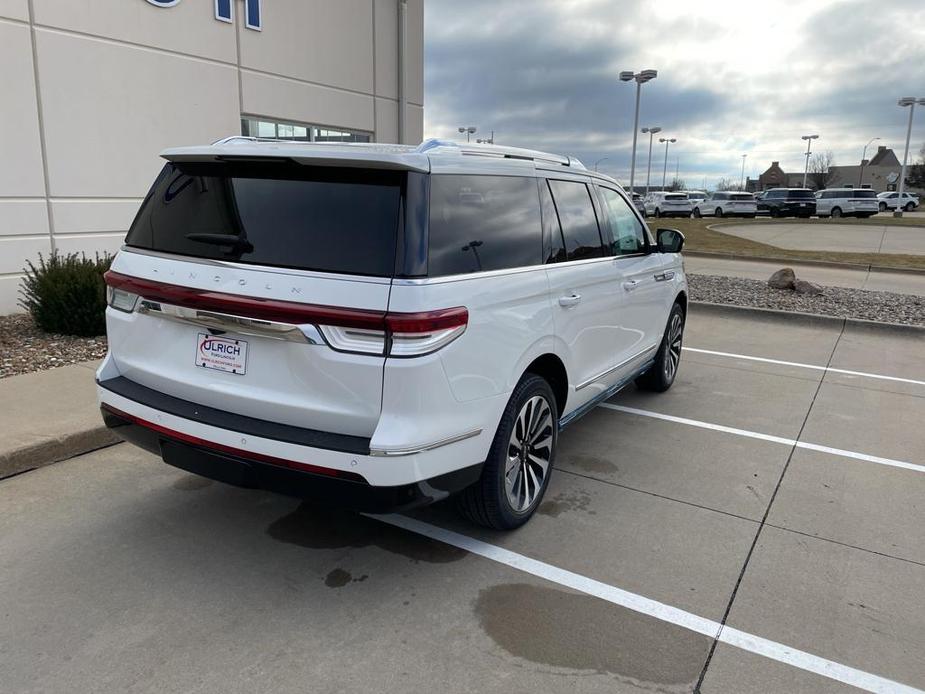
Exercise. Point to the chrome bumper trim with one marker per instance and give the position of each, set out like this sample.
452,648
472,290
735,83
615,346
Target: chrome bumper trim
411,450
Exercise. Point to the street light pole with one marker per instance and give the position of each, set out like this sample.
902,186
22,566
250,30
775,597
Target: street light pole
667,142
651,132
743,171
641,78
809,141
469,131
909,101
863,157
599,161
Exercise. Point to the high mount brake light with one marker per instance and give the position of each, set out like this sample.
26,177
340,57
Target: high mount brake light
359,331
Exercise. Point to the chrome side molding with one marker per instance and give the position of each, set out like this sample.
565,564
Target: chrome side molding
411,450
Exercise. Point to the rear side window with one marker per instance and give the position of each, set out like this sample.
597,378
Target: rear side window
578,219
553,245
800,194
483,223
863,194
741,196
278,214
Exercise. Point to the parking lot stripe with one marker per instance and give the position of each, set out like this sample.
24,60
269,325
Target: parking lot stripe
800,365
653,608
768,437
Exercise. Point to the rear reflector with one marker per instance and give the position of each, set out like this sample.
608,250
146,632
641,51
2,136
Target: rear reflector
359,331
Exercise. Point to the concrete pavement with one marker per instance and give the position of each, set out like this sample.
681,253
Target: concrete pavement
853,277
121,574
48,416
848,238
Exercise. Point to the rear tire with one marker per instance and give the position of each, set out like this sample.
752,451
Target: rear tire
514,478
718,212
696,213
658,213
883,207
836,212
661,375
909,207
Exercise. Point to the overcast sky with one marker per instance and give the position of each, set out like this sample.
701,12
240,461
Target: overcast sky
734,78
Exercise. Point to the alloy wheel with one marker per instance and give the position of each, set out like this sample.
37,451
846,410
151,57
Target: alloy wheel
529,453
675,337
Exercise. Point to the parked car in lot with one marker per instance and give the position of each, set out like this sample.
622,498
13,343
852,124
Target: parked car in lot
726,204
846,202
639,204
383,326
663,204
788,202
888,201
695,196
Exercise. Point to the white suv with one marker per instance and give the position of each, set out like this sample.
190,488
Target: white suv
724,203
846,202
663,204
381,326
888,201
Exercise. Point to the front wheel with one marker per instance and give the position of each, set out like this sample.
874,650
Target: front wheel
883,207
668,358
516,472
836,212
909,207
718,212
696,213
658,213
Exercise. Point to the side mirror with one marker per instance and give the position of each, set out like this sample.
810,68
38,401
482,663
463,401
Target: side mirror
669,240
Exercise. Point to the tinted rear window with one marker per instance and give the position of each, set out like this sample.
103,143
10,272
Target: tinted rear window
283,215
578,219
741,196
676,196
483,223
800,194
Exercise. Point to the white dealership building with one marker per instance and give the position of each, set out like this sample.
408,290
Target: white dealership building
93,90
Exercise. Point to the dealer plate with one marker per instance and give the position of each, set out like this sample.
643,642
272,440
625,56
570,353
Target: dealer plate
221,353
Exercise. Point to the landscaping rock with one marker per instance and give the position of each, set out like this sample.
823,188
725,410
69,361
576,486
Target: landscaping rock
782,279
806,287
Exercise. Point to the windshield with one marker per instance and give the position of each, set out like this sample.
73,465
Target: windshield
279,214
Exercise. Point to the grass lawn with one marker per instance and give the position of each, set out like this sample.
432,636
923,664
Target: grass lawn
699,238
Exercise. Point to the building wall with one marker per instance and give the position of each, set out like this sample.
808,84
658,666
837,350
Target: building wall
94,90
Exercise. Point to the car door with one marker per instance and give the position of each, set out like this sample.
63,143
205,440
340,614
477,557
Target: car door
582,287
823,203
646,281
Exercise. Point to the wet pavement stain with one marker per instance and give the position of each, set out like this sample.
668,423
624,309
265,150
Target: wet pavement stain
560,629
562,503
191,483
337,578
590,463
321,528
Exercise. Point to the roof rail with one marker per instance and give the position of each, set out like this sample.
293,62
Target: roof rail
499,151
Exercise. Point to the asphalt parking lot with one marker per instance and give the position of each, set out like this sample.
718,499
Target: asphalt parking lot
775,501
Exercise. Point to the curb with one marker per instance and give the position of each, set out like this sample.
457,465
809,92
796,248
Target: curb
732,310
55,450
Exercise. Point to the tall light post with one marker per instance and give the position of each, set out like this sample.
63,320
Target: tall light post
487,140
667,141
599,161
743,171
641,78
863,158
469,131
809,141
909,101
651,132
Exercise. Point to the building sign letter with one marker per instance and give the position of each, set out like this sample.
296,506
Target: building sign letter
224,11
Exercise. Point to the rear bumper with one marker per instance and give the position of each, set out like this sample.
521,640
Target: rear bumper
327,486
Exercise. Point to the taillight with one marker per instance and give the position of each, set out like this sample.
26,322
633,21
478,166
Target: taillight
360,331
405,334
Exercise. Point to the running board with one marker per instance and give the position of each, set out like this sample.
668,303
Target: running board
609,393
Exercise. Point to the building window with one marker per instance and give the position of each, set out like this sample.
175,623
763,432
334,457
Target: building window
259,127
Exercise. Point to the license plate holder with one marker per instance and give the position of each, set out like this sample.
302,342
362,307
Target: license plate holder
220,353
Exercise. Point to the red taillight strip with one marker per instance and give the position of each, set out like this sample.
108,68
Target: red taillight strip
289,311
246,306
247,455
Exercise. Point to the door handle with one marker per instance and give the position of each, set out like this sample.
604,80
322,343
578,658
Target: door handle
664,276
571,300
630,285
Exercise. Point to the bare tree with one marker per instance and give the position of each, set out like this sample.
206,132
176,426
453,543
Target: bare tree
677,184
728,184
820,168
915,174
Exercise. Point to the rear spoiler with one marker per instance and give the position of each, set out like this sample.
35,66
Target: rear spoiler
362,156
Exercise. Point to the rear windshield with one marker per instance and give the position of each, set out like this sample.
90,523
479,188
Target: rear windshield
800,194
863,194
278,214
676,196
741,196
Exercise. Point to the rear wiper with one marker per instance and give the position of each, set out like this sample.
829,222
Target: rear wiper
236,242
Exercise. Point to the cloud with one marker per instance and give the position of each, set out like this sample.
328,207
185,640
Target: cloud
733,78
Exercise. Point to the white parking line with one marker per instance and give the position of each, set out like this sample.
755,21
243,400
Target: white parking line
767,437
814,367
653,608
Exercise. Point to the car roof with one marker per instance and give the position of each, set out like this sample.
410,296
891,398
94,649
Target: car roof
431,156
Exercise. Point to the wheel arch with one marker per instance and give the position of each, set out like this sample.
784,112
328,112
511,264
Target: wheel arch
681,299
550,367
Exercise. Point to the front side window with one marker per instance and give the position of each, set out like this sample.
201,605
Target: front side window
578,219
480,223
626,233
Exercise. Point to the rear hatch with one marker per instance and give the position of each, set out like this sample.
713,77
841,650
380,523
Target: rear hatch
864,200
679,200
260,289
742,201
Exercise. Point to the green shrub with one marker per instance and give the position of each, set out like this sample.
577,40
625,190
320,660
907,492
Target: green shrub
66,294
